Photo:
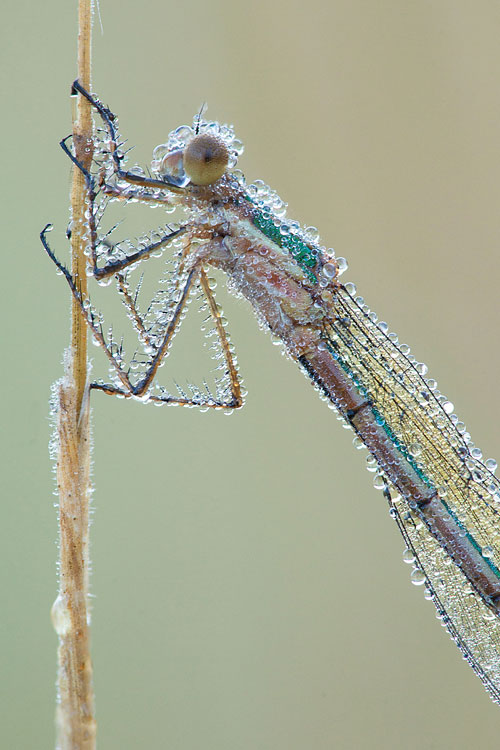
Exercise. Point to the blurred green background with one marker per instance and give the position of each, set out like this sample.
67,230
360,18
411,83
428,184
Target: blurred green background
249,586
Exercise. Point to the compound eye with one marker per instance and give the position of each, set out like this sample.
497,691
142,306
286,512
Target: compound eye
205,159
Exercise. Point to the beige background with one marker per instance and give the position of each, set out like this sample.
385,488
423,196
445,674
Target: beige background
249,586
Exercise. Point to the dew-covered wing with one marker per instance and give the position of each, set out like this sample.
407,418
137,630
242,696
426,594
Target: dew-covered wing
421,423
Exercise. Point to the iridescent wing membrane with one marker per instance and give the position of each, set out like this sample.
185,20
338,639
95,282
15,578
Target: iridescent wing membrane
419,421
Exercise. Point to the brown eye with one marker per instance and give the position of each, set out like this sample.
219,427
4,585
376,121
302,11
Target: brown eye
205,159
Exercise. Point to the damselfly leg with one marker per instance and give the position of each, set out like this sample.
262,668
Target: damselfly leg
156,327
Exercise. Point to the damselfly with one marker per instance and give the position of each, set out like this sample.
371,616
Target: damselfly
444,498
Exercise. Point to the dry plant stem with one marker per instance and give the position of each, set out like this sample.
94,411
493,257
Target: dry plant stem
82,138
75,722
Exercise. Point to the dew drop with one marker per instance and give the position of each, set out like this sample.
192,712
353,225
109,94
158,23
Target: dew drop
311,234
417,577
342,265
421,368
329,270
59,615
489,616
415,449
408,556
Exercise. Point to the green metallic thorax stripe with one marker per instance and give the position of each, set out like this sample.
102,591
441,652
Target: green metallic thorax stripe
303,254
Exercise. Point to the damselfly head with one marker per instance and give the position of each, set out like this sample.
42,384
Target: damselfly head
205,158
199,155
